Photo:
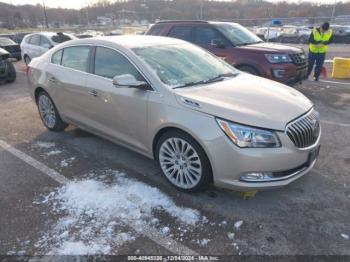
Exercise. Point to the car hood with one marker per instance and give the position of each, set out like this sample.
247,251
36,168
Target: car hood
272,48
248,100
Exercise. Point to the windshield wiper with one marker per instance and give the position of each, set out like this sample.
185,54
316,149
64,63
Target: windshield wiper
191,84
217,78
220,77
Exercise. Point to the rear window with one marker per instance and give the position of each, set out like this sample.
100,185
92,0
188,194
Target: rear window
60,38
156,30
56,57
76,57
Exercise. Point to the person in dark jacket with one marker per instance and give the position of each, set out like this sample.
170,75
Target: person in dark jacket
319,40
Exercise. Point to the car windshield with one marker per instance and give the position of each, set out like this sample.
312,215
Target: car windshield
183,65
238,34
6,41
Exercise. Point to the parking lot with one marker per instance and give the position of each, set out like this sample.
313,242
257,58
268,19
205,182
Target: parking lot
75,193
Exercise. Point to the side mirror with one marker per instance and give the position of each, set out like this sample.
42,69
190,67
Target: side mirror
217,43
130,81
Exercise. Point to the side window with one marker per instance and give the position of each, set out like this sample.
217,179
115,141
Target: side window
34,40
181,32
204,35
109,63
76,57
56,57
27,39
155,30
44,42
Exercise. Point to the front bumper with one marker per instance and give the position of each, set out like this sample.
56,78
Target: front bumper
229,163
293,74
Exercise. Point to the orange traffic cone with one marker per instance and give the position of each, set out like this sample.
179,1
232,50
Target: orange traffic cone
324,72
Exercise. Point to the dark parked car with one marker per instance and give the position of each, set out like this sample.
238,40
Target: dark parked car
7,70
239,47
341,34
11,47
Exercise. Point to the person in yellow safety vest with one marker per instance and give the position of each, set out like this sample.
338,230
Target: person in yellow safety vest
319,40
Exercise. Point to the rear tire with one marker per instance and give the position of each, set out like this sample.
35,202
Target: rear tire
49,114
183,162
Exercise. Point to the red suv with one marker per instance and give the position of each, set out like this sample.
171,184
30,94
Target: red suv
239,47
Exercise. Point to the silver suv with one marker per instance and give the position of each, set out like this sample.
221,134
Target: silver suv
201,119
36,44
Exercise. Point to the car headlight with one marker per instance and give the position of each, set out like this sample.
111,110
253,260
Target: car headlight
278,58
245,136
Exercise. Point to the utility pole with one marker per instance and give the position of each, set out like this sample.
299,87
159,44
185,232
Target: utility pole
333,11
201,10
45,15
87,12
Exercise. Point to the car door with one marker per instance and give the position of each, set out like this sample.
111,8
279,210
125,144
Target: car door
66,80
117,112
211,39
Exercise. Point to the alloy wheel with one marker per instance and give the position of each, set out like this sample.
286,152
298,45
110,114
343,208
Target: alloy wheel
180,163
47,111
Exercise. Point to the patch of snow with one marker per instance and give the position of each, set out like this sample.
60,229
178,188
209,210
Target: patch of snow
94,212
345,236
165,230
238,224
54,152
67,162
203,242
45,145
231,235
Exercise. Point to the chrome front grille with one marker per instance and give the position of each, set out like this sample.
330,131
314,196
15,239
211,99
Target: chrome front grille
298,59
305,130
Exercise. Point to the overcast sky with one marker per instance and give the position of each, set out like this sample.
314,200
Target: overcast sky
81,3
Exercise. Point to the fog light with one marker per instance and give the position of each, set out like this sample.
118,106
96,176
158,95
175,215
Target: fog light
257,177
278,73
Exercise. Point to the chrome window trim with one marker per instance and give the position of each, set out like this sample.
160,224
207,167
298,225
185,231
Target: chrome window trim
105,78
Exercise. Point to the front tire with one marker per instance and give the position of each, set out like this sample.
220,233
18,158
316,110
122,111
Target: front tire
183,162
49,114
26,59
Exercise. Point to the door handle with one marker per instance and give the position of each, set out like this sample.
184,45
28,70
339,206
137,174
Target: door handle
53,80
93,92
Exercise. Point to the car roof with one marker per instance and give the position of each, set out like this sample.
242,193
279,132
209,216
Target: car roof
193,22
129,41
43,33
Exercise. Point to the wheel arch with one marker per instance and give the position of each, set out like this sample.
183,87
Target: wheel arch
37,92
251,65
